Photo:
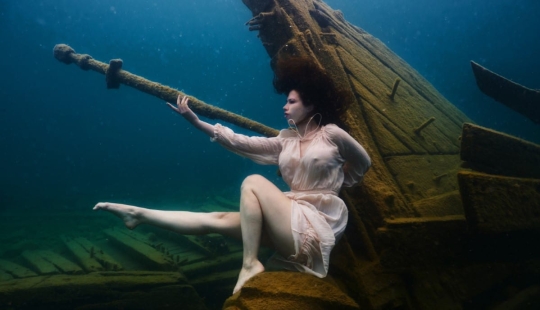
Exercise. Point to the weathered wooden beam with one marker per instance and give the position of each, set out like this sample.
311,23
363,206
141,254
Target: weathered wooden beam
115,76
517,97
99,255
4,276
412,243
60,262
101,290
83,255
16,270
499,204
205,267
145,253
494,152
42,266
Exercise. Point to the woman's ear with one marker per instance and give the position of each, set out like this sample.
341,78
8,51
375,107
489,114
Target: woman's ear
310,108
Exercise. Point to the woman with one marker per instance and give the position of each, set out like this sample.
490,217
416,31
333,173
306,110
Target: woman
315,159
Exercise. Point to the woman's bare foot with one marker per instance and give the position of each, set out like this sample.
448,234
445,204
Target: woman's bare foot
247,273
129,214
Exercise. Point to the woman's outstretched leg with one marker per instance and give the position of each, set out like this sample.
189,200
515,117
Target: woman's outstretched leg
262,206
182,222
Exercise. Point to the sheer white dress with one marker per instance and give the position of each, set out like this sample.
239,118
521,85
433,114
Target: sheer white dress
318,216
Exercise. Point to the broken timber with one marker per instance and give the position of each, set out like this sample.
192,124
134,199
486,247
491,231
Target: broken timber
493,152
115,76
99,255
503,193
101,290
499,204
144,252
517,97
16,270
82,254
63,264
39,264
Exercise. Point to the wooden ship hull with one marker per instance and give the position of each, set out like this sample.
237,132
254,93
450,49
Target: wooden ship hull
420,225
425,228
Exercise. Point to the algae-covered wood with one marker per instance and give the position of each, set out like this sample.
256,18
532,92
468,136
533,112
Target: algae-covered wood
101,290
496,153
500,204
15,270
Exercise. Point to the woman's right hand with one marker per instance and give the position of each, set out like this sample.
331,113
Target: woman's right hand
183,109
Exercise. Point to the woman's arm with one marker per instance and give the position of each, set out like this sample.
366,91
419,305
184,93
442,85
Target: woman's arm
262,150
357,160
183,109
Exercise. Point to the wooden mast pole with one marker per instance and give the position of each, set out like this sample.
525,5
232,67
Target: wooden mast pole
116,76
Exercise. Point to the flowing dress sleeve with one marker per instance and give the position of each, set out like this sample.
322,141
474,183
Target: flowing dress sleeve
261,150
357,161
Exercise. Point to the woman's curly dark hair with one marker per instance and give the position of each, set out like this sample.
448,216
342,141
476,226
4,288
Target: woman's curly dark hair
315,87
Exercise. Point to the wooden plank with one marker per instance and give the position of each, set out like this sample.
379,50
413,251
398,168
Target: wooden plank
181,253
211,265
494,152
39,264
517,97
165,247
101,290
410,110
16,270
422,242
209,245
61,263
442,205
181,250
390,139
82,255
142,251
499,204
4,276
423,176
99,255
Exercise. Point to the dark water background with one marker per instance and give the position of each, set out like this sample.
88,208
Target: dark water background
68,142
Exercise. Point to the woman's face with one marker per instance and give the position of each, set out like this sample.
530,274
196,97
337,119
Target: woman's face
295,109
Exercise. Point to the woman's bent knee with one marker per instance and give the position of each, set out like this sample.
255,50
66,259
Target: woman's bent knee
252,180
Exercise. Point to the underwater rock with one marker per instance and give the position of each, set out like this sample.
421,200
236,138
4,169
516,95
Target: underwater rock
289,290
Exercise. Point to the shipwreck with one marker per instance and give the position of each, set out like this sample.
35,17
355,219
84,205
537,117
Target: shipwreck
446,219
